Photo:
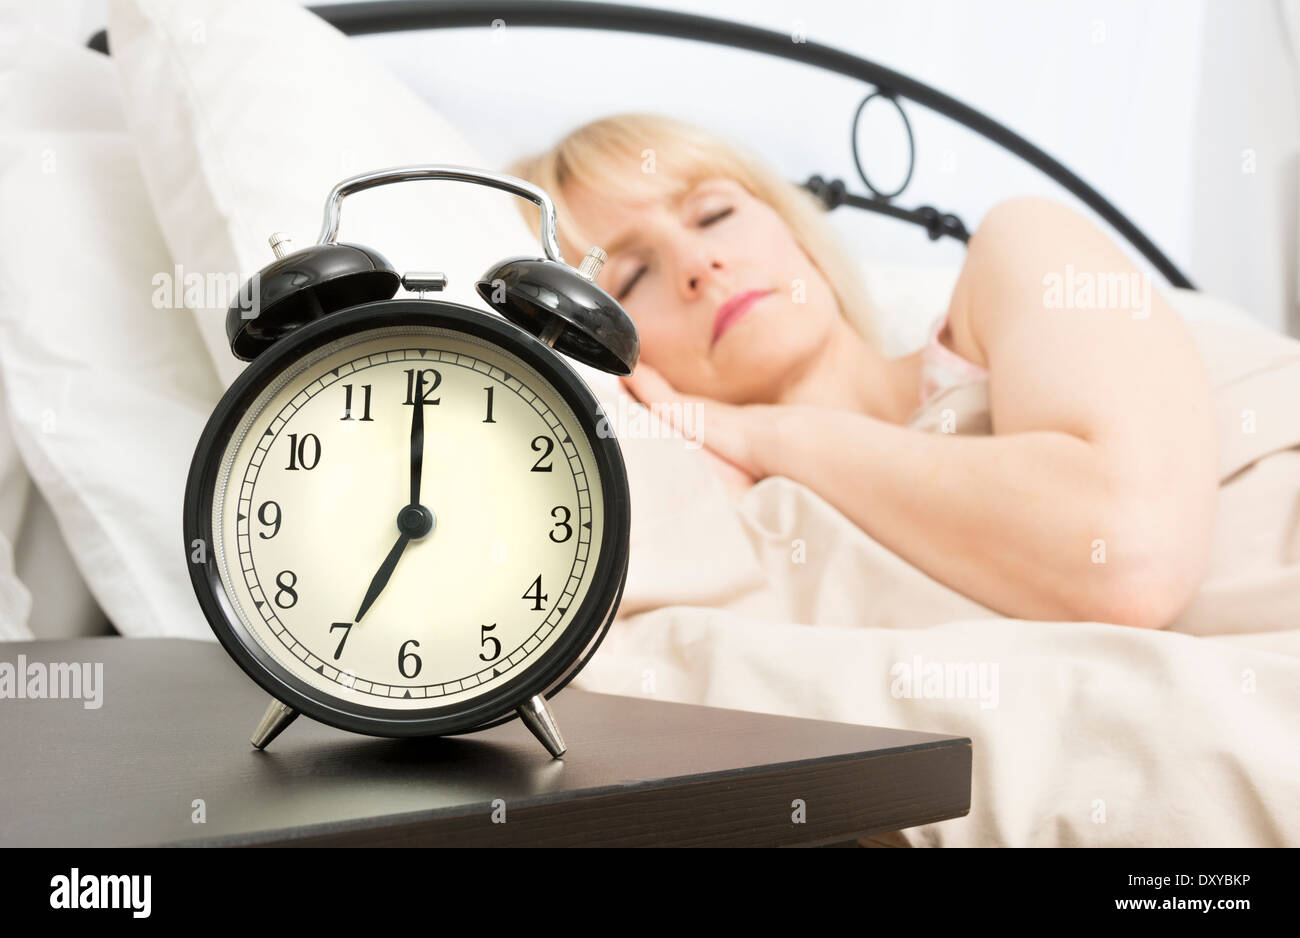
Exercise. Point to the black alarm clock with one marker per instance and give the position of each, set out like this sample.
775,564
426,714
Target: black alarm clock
408,517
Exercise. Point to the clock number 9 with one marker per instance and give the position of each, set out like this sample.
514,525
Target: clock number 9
261,516
403,656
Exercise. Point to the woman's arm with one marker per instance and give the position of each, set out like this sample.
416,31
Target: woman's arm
736,480
1015,522
1095,498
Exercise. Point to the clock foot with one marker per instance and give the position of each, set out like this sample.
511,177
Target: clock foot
537,717
276,718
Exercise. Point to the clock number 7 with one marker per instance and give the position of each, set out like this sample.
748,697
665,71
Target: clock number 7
347,630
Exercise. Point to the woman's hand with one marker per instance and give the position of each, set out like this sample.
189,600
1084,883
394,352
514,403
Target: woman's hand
739,436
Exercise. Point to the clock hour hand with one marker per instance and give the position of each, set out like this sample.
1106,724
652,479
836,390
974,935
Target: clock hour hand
417,436
385,572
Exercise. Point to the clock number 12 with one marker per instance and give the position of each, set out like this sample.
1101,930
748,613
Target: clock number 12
428,385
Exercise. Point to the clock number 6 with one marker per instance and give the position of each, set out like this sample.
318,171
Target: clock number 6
403,656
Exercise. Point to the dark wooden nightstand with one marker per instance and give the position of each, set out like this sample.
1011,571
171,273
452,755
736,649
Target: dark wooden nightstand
169,744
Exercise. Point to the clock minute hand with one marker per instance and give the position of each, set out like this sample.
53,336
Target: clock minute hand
417,436
385,572
417,462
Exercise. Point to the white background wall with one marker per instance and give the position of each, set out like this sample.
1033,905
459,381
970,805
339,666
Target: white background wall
1181,112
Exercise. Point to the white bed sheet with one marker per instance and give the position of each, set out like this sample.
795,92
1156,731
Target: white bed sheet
1084,733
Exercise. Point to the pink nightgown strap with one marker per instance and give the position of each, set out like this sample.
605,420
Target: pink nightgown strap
942,368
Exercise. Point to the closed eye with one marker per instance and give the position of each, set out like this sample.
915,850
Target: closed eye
704,223
631,283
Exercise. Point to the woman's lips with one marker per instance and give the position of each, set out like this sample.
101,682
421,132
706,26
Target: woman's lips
733,309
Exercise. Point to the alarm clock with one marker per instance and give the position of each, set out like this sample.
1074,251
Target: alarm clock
406,516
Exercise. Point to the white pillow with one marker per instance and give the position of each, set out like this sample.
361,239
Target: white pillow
15,600
909,298
15,485
247,113
107,393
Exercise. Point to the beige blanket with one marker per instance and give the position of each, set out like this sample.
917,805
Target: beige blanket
1083,733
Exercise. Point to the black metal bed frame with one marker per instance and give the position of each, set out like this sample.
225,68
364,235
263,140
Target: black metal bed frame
401,15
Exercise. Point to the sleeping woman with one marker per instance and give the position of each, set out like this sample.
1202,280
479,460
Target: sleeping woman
1102,423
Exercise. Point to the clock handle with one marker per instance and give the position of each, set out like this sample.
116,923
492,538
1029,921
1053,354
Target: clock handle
537,716
273,722
483,177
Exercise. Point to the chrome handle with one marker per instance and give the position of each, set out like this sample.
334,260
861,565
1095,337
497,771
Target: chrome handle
382,177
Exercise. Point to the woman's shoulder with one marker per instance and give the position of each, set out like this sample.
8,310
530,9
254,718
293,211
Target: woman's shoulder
995,275
1002,273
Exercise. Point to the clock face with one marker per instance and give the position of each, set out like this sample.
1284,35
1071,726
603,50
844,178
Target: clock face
376,601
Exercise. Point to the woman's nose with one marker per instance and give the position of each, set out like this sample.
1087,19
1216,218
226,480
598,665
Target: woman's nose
698,272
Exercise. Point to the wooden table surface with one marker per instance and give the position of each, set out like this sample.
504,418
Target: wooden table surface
176,715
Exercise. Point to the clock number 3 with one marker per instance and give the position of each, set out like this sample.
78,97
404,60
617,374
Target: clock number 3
562,523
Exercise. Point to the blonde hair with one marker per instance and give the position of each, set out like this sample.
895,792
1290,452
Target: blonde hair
650,156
